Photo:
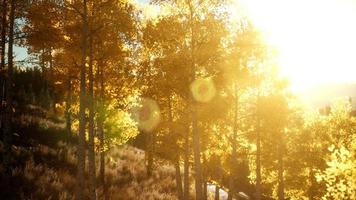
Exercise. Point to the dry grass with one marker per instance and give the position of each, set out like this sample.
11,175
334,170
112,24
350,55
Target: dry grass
44,168
48,174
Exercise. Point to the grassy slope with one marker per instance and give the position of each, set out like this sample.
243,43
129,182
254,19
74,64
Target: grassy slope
44,167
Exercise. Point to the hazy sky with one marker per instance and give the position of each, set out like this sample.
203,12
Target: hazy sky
20,53
316,38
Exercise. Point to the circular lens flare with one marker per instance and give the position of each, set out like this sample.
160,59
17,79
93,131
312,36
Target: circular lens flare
147,115
203,90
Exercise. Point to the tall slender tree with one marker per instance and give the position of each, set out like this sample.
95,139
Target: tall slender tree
194,117
100,123
258,151
9,90
82,106
2,55
91,151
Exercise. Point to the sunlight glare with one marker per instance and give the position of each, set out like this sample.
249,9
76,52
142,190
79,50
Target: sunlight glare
316,39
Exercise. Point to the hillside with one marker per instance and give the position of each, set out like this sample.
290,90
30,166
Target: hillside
44,167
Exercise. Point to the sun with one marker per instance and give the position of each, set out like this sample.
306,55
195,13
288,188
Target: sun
316,39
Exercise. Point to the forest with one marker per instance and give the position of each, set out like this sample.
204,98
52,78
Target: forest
177,100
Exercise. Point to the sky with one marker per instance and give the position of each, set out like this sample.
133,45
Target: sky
316,39
20,53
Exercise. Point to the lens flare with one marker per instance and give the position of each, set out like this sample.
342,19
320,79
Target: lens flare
203,90
147,115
